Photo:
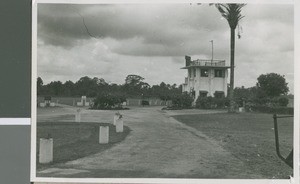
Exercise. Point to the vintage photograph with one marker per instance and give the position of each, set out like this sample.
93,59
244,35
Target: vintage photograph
186,90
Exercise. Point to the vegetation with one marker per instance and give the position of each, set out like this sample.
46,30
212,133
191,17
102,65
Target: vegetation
269,95
270,90
182,101
248,137
272,84
212,102
134,86
108,101
232,13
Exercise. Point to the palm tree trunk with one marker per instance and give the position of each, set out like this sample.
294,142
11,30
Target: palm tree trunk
232,44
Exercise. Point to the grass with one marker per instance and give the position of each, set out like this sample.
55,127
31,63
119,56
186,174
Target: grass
75,140
249,137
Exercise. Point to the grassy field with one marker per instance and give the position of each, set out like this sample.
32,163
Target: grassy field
75,140
249,137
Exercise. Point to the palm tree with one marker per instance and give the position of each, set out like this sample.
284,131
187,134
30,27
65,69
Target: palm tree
232,13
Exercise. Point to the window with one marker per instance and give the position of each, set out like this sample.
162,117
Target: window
204,72
194,72
219,73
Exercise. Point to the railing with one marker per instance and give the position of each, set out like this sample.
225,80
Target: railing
203,62
289,159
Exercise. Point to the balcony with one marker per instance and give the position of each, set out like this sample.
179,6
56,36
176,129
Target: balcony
207,62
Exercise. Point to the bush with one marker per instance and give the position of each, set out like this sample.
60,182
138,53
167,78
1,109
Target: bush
204,102
183,100
108,101
221,102
273,110
145,102
283,101
211,102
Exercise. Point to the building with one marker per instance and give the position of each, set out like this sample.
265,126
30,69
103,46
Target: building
205,77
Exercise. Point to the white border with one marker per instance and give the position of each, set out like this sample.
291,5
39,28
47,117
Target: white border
33,92
14,121
294,180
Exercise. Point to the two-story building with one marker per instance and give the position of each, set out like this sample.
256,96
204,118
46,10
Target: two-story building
205,77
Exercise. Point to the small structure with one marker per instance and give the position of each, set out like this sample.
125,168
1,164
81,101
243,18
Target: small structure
78,115
83,102
116,116
205,78
47,102
46,151
103,134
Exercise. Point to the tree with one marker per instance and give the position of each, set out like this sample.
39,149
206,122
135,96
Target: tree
133,80
134,85
272,84
232,13
39,85
183,100
68,88
86,86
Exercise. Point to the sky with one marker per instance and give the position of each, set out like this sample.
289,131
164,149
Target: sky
151,40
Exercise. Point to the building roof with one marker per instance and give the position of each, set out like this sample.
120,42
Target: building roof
204,63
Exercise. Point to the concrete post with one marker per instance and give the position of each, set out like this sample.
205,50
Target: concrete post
103,134
78,115
241,109
46,151
119,125
115,119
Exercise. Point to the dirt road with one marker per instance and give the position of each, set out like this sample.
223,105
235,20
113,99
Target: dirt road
157,147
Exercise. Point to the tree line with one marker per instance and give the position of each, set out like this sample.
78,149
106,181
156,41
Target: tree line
133,86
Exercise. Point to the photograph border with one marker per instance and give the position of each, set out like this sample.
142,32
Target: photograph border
34,178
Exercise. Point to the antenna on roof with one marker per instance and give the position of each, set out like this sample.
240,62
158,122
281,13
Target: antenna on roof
212,51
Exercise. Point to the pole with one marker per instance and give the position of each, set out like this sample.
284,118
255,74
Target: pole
212,51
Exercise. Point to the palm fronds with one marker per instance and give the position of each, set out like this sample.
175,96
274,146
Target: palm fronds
231,12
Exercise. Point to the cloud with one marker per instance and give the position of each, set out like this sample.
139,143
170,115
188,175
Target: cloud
152,40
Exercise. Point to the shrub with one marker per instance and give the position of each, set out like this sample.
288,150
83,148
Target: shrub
273,110
283,101
204,102
220,102
183,100
108,101
145,102
211,102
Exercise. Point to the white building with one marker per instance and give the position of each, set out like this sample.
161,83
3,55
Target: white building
205,77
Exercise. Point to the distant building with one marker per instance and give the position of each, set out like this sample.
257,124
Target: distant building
205,77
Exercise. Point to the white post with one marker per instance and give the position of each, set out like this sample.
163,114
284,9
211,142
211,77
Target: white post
119,125
115,119
46,151
103,134
78,115
42,104
241,109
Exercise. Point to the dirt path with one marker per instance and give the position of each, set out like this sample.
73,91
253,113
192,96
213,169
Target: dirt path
158,146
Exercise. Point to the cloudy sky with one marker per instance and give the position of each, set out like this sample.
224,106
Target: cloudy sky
113,41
